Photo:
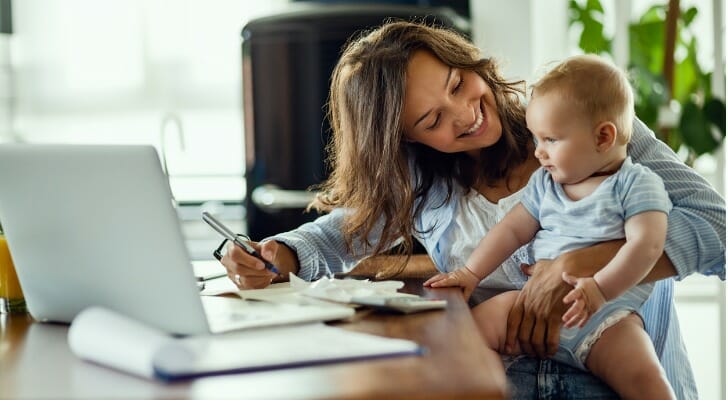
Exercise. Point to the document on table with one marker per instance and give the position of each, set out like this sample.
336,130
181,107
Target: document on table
111,339
297,290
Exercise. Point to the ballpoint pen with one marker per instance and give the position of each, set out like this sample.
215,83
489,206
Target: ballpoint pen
229,235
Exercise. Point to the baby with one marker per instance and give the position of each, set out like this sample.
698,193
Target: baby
587,191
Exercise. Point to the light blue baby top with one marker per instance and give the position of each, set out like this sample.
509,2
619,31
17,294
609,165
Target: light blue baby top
572,224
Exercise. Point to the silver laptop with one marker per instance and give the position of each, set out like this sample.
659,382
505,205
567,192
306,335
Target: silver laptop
96,225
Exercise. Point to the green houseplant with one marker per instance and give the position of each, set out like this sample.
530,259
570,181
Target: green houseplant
665,73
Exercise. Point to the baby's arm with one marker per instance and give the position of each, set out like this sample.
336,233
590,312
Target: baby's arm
645,238
515,229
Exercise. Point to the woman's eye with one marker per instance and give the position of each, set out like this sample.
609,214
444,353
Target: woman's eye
550,140
434,124
458,86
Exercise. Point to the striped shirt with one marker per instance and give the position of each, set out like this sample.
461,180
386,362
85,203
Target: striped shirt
695,243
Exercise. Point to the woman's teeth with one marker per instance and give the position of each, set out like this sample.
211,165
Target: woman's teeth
476,125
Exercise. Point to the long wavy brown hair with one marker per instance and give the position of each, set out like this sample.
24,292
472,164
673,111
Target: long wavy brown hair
369,156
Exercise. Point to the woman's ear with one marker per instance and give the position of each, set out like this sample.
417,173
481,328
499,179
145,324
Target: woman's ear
605,135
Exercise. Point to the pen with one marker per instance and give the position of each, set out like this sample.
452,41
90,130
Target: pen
229,235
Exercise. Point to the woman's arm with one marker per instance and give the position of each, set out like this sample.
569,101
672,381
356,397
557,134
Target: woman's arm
696,225
320,248
311,251
394,267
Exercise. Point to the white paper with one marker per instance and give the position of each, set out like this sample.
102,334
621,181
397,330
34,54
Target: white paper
109,338
329,289
343,290
207,269
218,286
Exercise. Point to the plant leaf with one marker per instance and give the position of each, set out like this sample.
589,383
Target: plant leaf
655,13
685,79
646,44
590,17
576,13
592,38
695,129
594,5
714,110
688,16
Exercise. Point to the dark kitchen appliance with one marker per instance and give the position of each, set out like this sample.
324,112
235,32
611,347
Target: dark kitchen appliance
287,63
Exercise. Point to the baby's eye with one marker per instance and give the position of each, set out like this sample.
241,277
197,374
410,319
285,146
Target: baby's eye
550,140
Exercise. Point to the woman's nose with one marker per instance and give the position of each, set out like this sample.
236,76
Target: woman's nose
464,117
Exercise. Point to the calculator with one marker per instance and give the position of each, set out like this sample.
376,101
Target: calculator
401,304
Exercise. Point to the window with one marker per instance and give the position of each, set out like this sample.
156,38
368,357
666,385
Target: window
106,71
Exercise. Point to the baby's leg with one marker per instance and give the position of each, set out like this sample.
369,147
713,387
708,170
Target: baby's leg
624,357
491,316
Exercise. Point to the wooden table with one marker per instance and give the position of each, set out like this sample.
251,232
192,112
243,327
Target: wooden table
35,362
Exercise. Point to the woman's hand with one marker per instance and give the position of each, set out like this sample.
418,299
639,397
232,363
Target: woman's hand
534,322
463,277
248,272
535,319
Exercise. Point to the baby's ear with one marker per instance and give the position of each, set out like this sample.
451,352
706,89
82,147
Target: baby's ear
605,135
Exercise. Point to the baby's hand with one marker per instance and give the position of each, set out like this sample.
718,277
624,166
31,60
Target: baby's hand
462,277
586,298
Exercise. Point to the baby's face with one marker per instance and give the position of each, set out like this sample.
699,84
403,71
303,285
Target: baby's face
565,142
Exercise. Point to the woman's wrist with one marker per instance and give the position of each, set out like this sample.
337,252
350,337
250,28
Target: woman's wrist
286,260
588,261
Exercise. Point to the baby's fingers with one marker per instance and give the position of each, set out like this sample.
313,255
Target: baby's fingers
574,314
434,279
574,321
573,296
446,281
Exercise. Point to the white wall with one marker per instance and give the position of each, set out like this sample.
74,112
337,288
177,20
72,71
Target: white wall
523,34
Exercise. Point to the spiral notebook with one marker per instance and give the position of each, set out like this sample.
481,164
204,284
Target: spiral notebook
113,340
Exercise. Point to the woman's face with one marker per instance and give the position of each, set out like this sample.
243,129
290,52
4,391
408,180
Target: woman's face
448,109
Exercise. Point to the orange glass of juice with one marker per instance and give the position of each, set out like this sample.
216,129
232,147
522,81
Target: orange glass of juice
11,295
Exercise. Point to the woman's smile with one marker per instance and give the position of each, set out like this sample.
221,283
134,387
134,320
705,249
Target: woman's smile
478,127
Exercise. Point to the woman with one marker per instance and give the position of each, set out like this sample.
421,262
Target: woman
429,140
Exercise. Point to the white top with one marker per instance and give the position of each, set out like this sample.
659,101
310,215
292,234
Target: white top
474,216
